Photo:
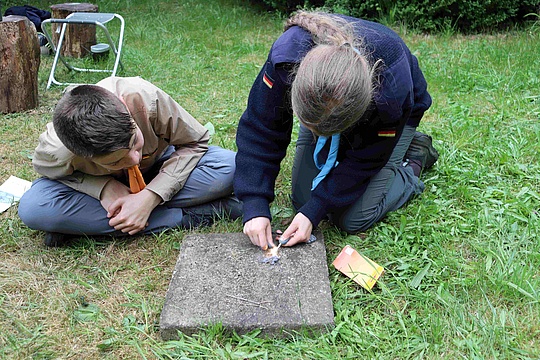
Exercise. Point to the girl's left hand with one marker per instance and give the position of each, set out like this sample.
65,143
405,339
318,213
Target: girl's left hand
299,231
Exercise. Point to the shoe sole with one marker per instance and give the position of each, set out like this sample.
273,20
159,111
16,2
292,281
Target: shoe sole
425,141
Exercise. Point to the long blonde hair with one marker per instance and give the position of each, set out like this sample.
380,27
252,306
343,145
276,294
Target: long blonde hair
334,83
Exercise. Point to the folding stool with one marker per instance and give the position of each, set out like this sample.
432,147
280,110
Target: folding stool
83,18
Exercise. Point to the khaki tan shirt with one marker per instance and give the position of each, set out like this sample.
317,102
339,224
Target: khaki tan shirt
162,121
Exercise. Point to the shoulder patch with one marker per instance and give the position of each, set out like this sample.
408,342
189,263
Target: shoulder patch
387,133
268,80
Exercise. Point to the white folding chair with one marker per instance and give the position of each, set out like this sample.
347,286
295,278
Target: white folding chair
83,18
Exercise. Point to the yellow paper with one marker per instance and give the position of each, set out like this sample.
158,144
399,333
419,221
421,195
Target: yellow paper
358,267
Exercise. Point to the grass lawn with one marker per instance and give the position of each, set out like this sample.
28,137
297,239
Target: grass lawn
462,260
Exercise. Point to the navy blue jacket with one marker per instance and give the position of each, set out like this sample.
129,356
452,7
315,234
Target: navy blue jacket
35,15
264,131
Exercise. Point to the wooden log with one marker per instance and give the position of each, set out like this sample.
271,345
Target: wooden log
19,64
78,38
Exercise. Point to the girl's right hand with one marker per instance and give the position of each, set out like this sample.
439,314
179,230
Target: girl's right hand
259,232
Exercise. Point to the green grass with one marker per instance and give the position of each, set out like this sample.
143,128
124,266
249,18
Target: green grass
462,260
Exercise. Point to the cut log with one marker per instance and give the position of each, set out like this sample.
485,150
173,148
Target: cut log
19,64
78,38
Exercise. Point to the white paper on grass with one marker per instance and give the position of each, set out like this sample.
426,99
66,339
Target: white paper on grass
11,191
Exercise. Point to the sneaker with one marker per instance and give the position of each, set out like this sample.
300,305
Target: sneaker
44,45
42,39
53,239
205,214
45,49
422,150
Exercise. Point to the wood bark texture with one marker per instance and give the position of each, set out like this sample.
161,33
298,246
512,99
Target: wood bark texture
78,38
19,64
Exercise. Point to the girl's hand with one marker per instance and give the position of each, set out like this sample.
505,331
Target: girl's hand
259,232
299,231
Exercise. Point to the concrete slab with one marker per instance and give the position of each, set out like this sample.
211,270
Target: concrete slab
220,278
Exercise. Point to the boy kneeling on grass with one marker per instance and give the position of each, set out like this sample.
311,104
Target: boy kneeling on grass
105,143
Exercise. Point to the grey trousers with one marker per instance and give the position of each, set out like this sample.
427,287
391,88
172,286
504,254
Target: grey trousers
52,206
387,191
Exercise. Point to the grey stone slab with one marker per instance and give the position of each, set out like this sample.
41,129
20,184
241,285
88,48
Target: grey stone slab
220,278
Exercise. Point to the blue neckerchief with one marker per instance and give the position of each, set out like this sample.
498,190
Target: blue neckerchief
330,160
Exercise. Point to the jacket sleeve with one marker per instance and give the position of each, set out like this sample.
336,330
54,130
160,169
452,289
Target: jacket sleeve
52,160
190,139
347,182
264,132
422,99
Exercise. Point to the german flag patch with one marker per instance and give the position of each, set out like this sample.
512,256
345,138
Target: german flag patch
387,133
268,80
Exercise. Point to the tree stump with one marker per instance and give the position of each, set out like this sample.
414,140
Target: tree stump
19,64
78,38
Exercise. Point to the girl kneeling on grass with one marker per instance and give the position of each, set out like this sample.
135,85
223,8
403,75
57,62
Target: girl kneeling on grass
359,95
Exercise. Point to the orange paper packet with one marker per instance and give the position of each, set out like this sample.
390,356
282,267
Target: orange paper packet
358,267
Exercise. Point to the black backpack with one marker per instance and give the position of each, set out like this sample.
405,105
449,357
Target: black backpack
35,15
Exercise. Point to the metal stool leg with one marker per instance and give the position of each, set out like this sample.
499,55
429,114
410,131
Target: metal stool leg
97,19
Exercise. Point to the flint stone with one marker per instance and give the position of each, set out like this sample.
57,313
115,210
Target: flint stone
221,279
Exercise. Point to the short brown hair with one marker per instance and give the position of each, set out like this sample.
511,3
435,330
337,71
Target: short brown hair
92,121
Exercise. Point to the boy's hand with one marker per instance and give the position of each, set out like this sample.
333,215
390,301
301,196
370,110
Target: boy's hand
130,214
113,191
